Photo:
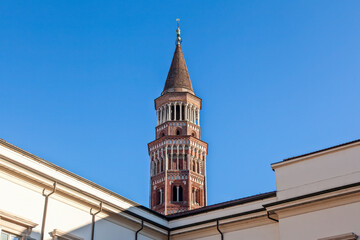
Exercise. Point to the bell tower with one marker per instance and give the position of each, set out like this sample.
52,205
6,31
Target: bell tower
178,155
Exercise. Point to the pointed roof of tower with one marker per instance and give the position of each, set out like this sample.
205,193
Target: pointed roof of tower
178,79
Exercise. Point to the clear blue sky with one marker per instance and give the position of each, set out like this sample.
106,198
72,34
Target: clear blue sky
277,79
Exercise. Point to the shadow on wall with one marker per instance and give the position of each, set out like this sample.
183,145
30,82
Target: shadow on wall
93,225
110,228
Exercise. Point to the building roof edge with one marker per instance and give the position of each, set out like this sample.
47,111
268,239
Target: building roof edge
314,153
71,174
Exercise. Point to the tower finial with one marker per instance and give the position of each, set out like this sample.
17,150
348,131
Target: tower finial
178,38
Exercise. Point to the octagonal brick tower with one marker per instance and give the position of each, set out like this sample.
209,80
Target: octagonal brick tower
178,155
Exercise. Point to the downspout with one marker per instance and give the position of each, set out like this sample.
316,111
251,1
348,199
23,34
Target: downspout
217,226
268,215
142,226
93,220
45,209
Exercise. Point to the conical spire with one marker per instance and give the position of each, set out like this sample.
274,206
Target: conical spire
178,79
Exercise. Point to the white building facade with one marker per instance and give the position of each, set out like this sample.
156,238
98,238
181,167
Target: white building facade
317,198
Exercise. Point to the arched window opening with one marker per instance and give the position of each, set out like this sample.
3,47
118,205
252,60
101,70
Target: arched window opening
181,161
177,112
158,197
193,166
172,117
169,161
178,132
174,194
174,165
197,168
195,196
162,134
193,134
180,193
162,165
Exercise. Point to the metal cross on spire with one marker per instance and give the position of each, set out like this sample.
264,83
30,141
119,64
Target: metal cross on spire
178,38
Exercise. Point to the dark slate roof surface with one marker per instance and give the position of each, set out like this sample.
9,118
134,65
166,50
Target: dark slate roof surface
222,205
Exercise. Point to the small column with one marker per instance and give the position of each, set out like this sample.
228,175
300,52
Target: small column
198,113
159,162
161,115
177,158
164,113
169,112
157,117
189,161
183,168
161,196
170,104
188,113
177,193
162,161
174,111
181,111
186,109
171,156
200,163
192,114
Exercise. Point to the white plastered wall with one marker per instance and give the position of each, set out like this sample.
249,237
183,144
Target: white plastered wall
29,204
318,172
323,223
265,232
